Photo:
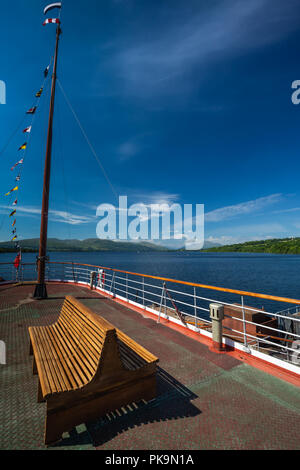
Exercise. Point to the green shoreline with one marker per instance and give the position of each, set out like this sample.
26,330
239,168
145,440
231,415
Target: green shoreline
282,246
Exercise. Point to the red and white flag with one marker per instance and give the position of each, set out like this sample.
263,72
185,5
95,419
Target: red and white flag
19,163
15,203
51,20
28,129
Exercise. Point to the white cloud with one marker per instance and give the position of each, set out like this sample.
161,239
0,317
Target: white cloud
70,219
228,28
54,215
251,232
155,197
243,208
127,150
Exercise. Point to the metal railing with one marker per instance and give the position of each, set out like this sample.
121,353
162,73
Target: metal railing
187,304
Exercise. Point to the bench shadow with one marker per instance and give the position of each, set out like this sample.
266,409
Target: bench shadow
173,401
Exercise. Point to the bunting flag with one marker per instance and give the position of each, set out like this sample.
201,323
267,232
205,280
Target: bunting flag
46,71
19,163
51,20
51,6
31,110
28,130
39,93
12,190
17,261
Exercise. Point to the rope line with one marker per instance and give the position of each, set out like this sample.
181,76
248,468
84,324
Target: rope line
88,141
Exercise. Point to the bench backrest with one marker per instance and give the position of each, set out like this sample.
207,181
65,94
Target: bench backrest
84,332
97,344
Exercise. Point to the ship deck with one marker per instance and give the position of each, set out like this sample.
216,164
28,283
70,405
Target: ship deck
205,400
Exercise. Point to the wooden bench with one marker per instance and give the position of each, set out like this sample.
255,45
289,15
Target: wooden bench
86,368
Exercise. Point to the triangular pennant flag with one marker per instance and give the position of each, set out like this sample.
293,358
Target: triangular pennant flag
46,71
39,93
14,222
15,203
23,147
18,178
28,129
31,110
14,238
12,214
12,190
20,162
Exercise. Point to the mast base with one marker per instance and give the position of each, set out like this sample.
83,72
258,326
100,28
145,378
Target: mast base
40,292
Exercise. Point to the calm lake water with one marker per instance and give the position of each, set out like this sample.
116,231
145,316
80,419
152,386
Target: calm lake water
263,273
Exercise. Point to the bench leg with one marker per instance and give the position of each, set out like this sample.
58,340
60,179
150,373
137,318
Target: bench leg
53,433
30,349
40,398
34,368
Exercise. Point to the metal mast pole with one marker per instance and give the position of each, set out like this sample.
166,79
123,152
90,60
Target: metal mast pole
41,290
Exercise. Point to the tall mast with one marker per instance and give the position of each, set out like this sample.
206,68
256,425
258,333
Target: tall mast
41,290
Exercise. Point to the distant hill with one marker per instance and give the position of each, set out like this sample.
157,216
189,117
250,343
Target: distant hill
92,244
289,246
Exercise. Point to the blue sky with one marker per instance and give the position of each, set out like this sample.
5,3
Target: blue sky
186,102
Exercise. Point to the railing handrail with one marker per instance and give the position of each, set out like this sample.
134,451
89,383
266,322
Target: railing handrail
177,281
193,284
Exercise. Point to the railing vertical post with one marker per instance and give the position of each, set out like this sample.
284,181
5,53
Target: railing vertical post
161,300
112,286
244,323
143,292
127,286
195,307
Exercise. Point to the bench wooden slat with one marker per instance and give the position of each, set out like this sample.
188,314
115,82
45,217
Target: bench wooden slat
94,340
54,361
136,347
72,351
64,361
80,340
80,370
